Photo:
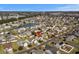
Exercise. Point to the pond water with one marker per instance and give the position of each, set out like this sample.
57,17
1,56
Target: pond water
28,25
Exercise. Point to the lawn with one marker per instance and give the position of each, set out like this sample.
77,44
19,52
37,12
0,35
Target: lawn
74,50
1,49
76,41
15,46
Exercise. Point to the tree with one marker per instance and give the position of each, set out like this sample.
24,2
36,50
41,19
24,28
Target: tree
20,48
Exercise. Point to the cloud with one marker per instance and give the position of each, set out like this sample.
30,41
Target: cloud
71,7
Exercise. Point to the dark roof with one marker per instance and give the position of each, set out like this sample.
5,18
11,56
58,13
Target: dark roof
60,43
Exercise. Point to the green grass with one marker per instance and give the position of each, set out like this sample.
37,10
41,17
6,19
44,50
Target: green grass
1,49
15,46
61,39
76,41
74,50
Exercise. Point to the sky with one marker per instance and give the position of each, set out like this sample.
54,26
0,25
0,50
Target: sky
39,7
